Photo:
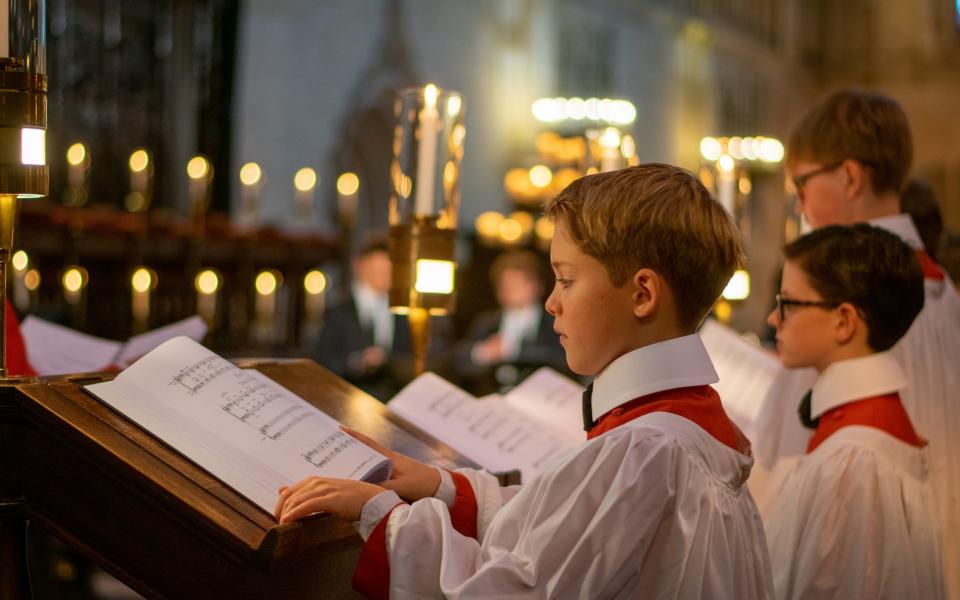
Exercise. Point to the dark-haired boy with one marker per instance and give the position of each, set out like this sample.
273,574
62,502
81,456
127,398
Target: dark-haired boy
856,517
849,158
654,503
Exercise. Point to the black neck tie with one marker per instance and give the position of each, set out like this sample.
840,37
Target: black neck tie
588,422
804,411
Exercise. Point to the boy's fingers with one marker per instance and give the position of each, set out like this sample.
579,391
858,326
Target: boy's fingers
303,509
369,441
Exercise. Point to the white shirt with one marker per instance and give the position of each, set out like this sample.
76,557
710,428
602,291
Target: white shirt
856,518
517,325
653,508
373,310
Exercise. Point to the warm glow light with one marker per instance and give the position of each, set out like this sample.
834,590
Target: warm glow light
544,228
33,147
554,110
139,160
266,283
430,95
628,147
348,183
745,186
771,150
198,167
541,176
733,147
76,154
511,230
610,138
207,282
250,174
453,105
738,288
32,279
434,276
74,279
142,280
488,223
314,282
710,148
20,260
726,163
305,179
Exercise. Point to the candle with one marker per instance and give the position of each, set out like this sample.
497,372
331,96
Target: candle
427,155
305,183
142,281
726,182
348,184
207,283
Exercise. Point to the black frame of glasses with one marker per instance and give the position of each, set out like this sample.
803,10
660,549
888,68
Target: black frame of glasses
784,302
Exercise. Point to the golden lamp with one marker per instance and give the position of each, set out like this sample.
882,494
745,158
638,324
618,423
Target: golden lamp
23,124
425,197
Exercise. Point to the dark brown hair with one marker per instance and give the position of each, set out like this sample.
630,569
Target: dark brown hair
525,261
872,269
855,124
659,217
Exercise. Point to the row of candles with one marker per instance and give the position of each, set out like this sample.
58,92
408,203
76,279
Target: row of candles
200,173
208,284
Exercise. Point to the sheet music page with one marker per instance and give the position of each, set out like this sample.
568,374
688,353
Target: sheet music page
552,398
193,327
488,431
242,427
746,373
53,349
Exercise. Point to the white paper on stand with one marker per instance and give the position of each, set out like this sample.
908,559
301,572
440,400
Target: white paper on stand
746,372
55,350
239,425
489,431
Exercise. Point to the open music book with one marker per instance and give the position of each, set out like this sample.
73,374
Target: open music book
54,349
239,425
524,429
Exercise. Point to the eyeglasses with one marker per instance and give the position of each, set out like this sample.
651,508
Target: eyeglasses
801,180
783,303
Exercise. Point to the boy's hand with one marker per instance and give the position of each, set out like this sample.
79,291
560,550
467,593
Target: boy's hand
411,479
342,497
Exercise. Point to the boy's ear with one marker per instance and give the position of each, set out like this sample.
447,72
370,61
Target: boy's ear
858,179
848,323
647,292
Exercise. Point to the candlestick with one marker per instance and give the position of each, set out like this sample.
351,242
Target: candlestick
427,152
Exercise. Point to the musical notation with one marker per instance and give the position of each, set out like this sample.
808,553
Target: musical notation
328,449
201,373
266,408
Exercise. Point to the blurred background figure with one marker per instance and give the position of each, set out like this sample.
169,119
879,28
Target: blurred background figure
502,346
361,340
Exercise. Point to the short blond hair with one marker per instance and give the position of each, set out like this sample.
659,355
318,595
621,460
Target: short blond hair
867,127
659,217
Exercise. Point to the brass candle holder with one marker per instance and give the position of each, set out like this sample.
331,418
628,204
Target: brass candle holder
23,122
425,173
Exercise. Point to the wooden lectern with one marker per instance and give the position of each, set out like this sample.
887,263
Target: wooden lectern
156,521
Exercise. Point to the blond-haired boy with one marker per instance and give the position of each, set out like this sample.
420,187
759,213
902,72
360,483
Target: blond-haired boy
654,503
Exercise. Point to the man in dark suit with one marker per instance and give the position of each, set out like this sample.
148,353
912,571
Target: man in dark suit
361,340
503,346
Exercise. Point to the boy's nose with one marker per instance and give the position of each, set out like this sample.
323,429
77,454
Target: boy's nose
552,306
773,319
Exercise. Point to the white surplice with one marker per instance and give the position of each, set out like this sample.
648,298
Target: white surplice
655,507
930,355
857,517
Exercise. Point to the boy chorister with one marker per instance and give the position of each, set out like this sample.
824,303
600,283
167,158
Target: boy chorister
654,503
849,157
856,517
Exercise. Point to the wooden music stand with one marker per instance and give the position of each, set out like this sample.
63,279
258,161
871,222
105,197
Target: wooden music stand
155,520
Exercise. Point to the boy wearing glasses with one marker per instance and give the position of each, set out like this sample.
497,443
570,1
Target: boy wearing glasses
849,158
856,517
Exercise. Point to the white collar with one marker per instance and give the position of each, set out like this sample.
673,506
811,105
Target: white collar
367,299
675,363
901,225
855,379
